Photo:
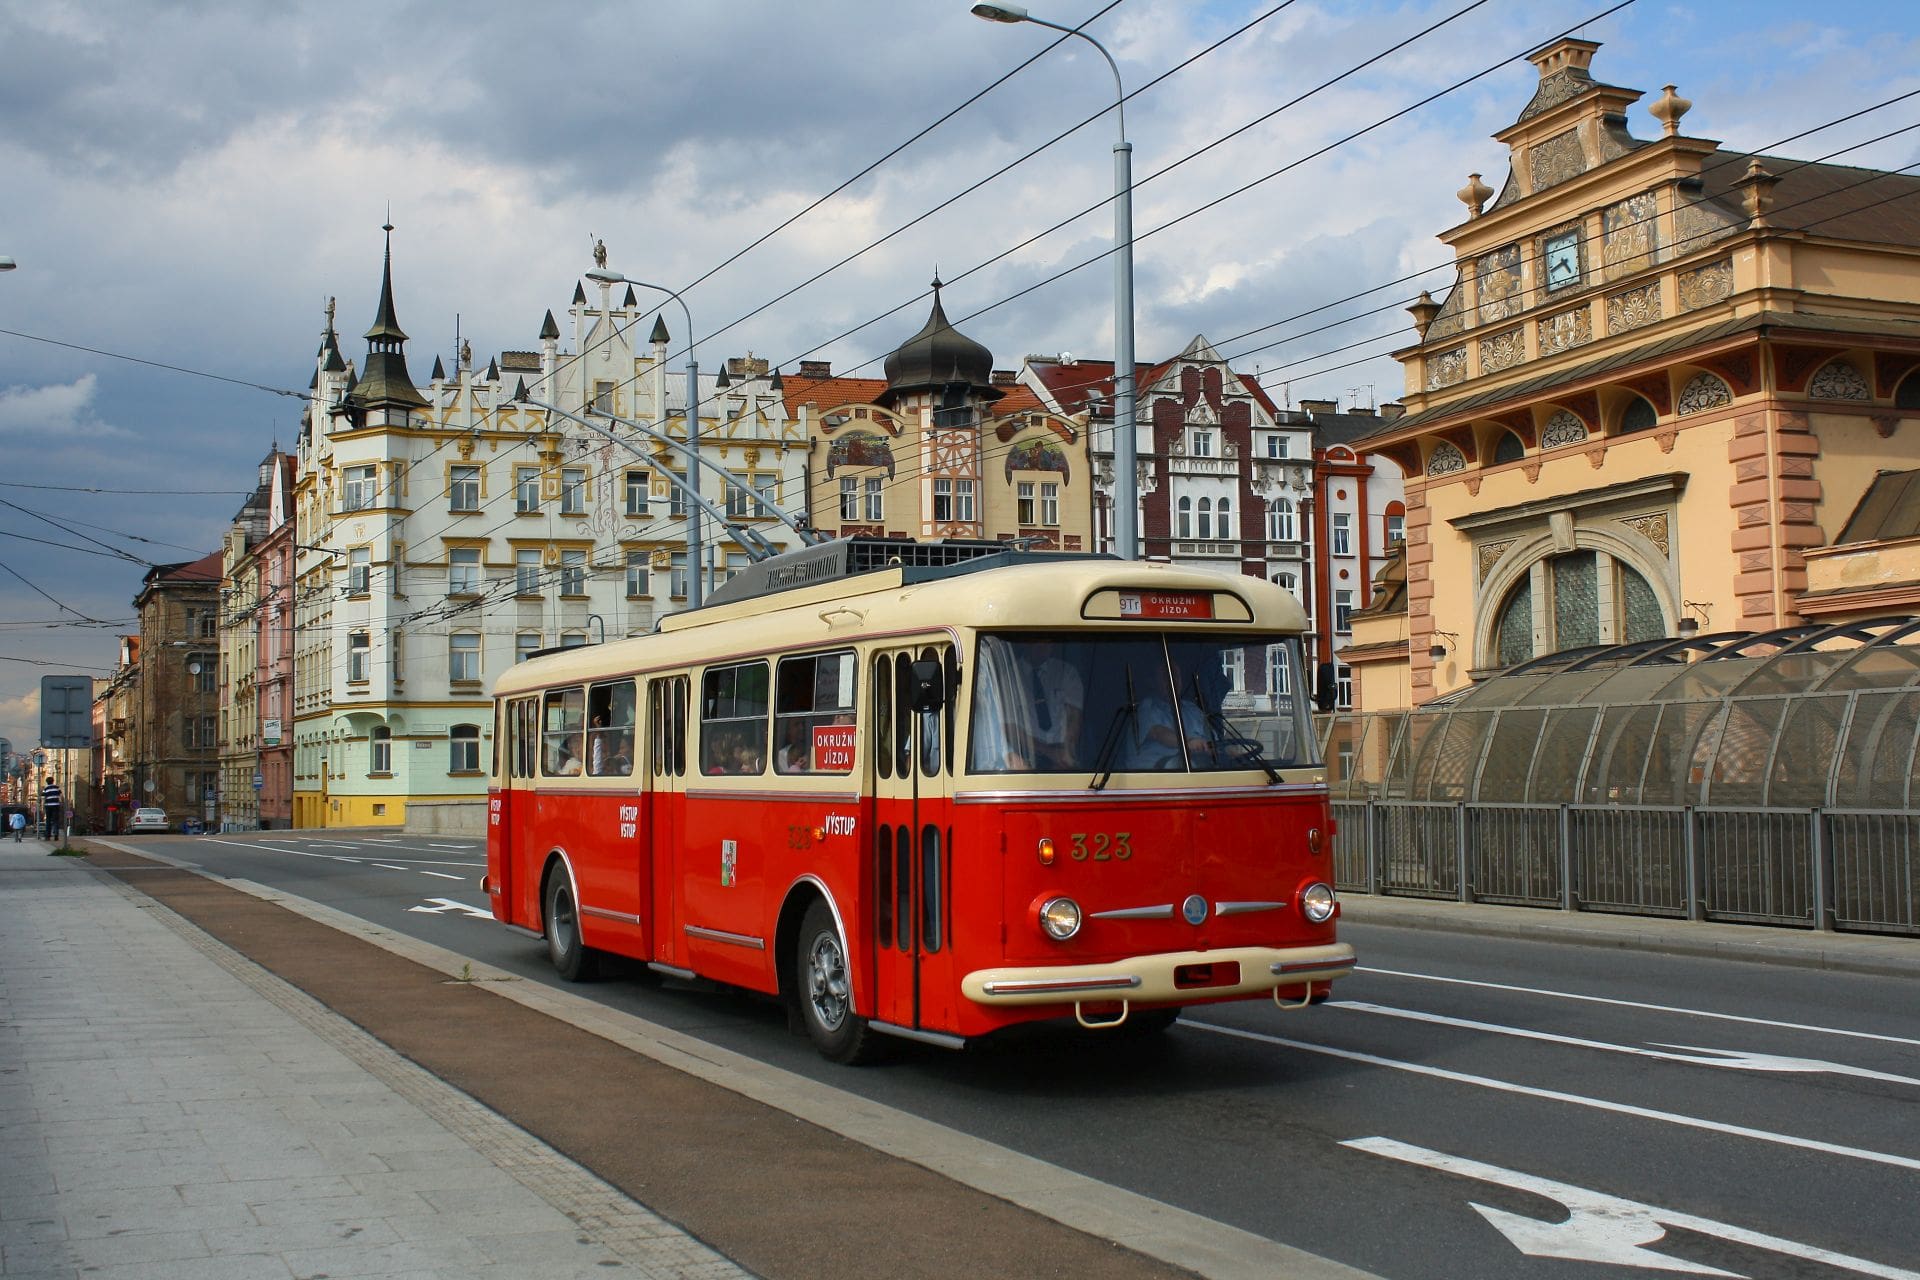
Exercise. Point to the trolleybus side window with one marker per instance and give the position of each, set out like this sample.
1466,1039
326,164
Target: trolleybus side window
667,725
523,725
932,733
813,721
610,729
562,739
733,719
883,715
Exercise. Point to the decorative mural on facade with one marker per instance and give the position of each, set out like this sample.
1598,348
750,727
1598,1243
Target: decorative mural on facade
860,449
1038,455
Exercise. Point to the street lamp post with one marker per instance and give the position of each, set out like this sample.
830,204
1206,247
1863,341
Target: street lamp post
696,590
1126,480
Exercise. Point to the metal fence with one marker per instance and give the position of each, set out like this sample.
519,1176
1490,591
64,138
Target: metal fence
1851,869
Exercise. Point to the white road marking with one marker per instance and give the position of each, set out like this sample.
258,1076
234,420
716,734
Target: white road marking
464,848
1572,1099
298,853
1638,1004
443,875
388,866
1733,1059
1607,1229
448,904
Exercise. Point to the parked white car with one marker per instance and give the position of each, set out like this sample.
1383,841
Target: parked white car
148,820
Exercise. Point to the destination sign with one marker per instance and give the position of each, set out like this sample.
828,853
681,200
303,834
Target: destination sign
1166,604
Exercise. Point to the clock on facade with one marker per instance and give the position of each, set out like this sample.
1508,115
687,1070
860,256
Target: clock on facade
1562,257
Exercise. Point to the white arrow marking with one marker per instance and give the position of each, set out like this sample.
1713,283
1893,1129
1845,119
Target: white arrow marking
1604,1228
1736,1059
448,904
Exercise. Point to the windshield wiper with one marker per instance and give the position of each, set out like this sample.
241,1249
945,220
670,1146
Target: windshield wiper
1122,714
1249,750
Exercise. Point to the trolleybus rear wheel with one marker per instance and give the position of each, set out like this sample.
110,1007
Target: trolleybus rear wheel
569,954
825,991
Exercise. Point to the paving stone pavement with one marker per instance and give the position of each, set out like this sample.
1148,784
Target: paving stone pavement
170,1109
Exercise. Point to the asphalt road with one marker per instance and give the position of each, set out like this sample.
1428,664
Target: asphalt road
1464,1106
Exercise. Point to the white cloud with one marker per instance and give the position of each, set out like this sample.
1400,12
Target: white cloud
55,413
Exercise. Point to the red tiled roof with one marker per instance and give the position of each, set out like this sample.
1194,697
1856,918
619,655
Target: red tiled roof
826,393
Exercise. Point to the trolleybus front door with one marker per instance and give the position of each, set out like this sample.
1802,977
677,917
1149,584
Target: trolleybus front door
907,928
662,795
516,826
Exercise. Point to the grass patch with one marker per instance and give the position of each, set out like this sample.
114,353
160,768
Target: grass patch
68,851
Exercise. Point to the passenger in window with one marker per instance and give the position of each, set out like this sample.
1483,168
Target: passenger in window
568,764
748,757
597,747
1165,728
1059,706
795,754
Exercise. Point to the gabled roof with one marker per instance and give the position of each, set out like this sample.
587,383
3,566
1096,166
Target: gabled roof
1072,386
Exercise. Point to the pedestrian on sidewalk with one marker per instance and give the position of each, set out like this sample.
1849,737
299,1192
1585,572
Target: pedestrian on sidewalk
18,821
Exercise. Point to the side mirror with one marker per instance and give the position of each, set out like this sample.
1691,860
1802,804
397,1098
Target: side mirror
1325,690
927,685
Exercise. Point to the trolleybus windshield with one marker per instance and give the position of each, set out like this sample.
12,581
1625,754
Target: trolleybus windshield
1080,703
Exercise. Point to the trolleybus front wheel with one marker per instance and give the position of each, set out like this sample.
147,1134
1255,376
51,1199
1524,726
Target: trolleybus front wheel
825,992
569,954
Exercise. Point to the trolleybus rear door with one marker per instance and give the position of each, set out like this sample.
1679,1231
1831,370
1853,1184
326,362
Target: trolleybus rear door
910,744
662,782
516,872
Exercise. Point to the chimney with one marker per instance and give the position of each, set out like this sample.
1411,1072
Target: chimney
1392,409
749,366
816,368
1003,377
1320,406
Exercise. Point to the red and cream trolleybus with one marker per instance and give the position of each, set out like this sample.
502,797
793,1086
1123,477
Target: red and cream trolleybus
931,790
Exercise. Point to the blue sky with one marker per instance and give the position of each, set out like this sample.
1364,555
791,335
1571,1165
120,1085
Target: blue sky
188,183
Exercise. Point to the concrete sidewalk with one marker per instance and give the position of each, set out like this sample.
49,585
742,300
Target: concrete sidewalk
169,1109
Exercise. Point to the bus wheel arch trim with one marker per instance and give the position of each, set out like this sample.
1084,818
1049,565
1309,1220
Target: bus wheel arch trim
823,985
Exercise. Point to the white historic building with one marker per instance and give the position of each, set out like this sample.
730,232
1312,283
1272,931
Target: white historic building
447,532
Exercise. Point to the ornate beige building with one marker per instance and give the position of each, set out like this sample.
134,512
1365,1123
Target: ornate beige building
1665,379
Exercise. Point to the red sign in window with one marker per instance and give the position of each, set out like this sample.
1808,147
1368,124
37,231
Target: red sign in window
833,748
1166,604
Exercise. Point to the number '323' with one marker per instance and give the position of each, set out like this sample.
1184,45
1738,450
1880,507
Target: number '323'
1101,846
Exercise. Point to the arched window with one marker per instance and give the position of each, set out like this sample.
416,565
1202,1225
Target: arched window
1289,580
1639,416
1206,518
380,750
1185,527
1907,394
1280,520
1574,601
1226,519
1509,449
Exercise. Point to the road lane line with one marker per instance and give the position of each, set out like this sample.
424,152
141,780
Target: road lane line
1733,1059
298,853
1605,1228
1639,1004
1572,1099
443,875
388,866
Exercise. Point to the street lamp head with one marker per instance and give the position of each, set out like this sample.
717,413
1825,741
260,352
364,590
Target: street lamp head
600,275
6,263
1000,12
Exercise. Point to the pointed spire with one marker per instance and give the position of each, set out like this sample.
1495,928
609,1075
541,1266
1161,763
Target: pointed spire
439,371
579,295
659,330
723,380
549,329
631,302
775,384
387,380
385,323
520,392
493,371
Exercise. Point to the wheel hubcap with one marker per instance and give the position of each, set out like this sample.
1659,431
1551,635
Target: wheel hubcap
827,982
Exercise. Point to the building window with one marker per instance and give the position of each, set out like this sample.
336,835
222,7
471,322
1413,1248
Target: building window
380,750
1277,447
359,571
1280,526
573,491
1203,444
637,489
1508,448
463,489
1225,513
963,500
573,639
463,749
1343,611
677,576
1396,530
1342,686
1184,527
603,397
525,645
1206,518
201,676
849,499
677,496
1289,581
1342,533
573,573
357,492
1025,502
526,489
943,500
766,489
463,657
463,571
636,574
1639,416
876,506
736,496
1279,672
359,647
526,572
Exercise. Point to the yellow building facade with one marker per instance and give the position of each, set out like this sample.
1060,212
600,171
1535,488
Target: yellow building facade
1665,379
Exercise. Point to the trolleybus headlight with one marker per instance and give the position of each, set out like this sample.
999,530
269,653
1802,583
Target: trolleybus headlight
1060,917
1316,902
1046,851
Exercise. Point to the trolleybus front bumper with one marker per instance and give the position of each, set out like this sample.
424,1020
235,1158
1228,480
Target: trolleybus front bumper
1164,977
